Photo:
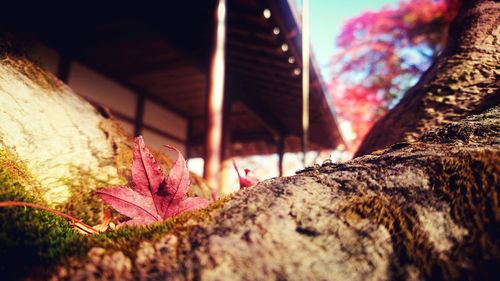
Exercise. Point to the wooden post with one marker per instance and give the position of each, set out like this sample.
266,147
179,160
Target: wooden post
216,100
281,153
188,142
139,115
305,78
226,144
63,68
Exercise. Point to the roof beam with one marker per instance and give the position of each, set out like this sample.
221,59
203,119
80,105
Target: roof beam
275,50
263,60
258,112
236,137
159,66
261,74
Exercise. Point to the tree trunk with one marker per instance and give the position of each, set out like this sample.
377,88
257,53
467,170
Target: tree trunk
462,81
425,208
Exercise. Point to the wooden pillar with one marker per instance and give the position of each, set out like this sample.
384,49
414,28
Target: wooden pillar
224,184
281,153
189,137
216,100
63,68
139,115
226,126
305,78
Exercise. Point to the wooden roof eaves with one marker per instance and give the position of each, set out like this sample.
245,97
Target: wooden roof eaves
198,141
292,26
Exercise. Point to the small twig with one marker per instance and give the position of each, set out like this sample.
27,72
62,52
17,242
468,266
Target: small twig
78,223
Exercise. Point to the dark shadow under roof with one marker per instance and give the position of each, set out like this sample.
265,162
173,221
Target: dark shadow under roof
164,54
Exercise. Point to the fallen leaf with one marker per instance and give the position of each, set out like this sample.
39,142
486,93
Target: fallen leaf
245,181
152,198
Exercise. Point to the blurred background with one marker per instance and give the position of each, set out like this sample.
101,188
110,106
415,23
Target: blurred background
224,80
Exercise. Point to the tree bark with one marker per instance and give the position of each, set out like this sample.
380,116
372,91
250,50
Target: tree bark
425,208
462,81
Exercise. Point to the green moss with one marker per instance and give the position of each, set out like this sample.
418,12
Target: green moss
468,181
127,239
82,203
14,169
32,238
29,236
410,242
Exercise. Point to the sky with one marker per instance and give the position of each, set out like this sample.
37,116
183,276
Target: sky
326,19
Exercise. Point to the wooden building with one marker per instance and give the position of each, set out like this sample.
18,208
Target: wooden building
152,66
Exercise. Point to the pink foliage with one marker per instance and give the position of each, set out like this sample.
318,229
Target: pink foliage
381,53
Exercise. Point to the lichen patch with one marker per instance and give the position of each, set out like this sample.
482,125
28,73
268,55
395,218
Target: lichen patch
441,231
53,133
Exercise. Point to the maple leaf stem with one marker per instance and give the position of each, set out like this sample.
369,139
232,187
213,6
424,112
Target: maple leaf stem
236,168
55,212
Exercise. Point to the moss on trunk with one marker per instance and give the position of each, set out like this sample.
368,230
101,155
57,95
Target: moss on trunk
55,150
29,237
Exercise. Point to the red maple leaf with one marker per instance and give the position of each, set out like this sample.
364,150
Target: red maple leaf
245,181
152,198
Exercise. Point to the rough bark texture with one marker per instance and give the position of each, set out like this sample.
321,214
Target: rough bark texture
416,211
464,79
428,208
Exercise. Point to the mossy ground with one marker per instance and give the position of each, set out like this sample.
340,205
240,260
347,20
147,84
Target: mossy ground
32,238
35,238
127,239
29,236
